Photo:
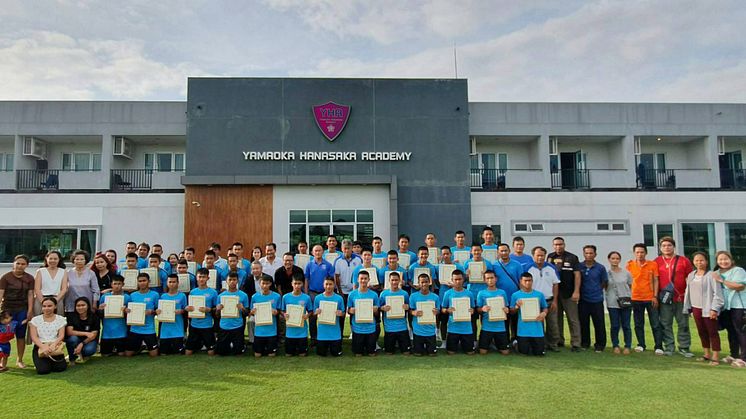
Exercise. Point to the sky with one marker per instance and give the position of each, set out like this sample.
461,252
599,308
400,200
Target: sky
533,50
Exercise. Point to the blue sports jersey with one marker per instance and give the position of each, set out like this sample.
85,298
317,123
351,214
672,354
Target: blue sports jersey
487,325
508,276
174,329
416,265
114,328
211,300
328,332
442,287
532,329
302,300
475,288
362,328
150,299
525,260
237,322
462,328
275,299
414,300
393,325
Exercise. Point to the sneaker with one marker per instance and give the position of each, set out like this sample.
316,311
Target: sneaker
685,353
639,348
378,348
738,363
728,359
442,345
659,352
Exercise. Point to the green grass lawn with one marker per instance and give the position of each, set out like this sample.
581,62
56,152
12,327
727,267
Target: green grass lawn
564,384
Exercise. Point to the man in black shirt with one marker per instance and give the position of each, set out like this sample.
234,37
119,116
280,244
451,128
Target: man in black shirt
284,276
566,264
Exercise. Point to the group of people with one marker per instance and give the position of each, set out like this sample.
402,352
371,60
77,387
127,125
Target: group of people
485,297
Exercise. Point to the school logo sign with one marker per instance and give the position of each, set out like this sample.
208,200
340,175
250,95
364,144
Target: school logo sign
331,119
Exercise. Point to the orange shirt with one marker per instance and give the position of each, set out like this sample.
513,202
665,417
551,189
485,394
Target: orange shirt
642,279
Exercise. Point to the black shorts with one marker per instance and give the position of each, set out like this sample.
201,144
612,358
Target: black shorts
296,346
135,341
364,343
456,340
113,346
230,342
329,347
531,346
265,345
200,337
170,346
424,345
393,339
500,340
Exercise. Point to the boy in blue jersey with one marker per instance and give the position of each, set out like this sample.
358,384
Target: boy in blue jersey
233,266
404,250
114,331
396,332
243,264
476,284
378,252
296,338
130,247
530,331
422,255
172,333
460,251
154,261
143,250
519,256
130,262
201,333
364,334
230,337
145,333
459,332
182,268
329,336
392,258
367,257
492,332
265,336
424,334
442,285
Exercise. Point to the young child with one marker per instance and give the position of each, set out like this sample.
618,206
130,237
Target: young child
201,333
492,331
530,333
145,333
296,338
172,333
230,336
114,331
459,332
396,332
265,336
329,337
424,334
7,332
364,335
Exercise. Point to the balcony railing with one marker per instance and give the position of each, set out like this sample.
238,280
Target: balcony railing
488,179
733,178
37,180
131,179
656,179
570,179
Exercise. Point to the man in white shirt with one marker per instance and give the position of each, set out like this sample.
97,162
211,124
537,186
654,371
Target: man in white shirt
546,282
343,268
270,263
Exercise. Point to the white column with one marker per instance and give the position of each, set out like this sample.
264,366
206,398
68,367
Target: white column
629,163
713,163
107,155
543,156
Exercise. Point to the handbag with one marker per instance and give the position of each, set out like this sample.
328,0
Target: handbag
624,302
57,351
667,294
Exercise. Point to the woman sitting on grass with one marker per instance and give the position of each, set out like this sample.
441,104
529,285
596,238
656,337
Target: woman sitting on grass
47,332
82,332
704,299
733,279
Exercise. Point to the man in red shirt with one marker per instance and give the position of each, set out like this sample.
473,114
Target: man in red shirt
672,265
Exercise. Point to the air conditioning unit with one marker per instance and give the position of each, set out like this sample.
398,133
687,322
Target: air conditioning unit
123,147
34,147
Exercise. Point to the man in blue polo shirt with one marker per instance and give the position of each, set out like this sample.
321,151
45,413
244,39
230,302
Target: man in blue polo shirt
591,306
460,333
317,271
518,255
508,279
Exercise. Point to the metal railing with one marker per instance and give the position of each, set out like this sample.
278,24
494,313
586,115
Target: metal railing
488,179
131,179
733,178
37,180
656,179
571,179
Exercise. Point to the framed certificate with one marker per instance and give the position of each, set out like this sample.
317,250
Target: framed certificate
378,262
496,313
529,309
168,311
476,272
433,255
212,280
444,273
136,316
397,306
461,306
130,279
155,279
405,259
114,304
420,271
461,256
192,268
197,301
427,308
373,274
328,313
387,280
185,283
263,315
301,260
490,254
331,257
364,310
230,307
295,315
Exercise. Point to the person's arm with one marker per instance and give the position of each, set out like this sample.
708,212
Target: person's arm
63,287
576,291
37,286
96,291
654,284
718,300
36,340
555,294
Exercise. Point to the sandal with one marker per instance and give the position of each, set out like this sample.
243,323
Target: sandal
704,358
714,363
3,369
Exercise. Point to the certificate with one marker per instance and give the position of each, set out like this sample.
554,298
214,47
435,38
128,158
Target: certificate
461,306
155,279
378,262
418,272
444,273
212,280
433,255
295,315
427,307
405,259
136,316
496,313
301,260
529,309
364,310
387,279
396,302
461,255
114,304
490,254
197,301
373,274
476,272
328,313
168,311
230,307
331,257
130,279
185,283
192,268
263,315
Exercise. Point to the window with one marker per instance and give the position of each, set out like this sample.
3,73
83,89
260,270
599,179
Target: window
490,161
699,237
81,162
165,162
611,227
528,227
314,226
476,232
653,232
6,162
35,243
602,227
736,241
